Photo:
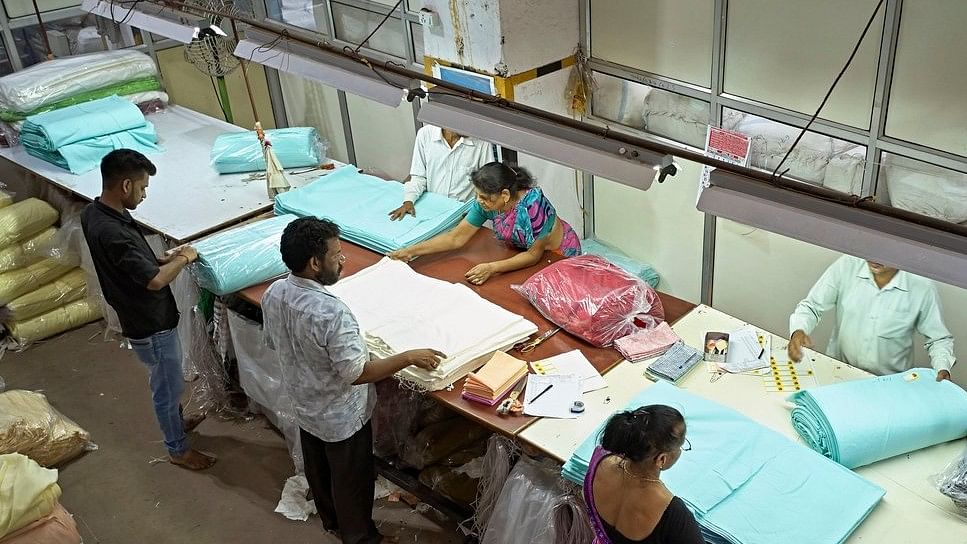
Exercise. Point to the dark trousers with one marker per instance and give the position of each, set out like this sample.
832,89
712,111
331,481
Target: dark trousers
342,477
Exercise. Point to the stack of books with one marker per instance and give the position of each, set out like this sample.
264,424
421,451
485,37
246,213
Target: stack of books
495,379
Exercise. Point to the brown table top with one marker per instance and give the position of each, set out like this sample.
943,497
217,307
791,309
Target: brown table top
451,267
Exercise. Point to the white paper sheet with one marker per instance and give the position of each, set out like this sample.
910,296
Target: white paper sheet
746,352
554,402
574,362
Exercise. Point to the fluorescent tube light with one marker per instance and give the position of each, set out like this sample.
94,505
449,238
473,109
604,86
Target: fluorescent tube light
149,17
897,242
545,138
326,67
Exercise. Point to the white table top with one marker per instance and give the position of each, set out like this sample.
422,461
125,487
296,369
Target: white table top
912,510
187,198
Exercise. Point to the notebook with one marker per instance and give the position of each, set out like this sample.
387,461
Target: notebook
675,363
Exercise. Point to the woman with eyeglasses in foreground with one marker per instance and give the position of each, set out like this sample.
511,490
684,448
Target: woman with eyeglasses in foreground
627,501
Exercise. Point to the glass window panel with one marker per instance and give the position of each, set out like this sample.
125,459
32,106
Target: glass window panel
306,14
353,24
73,36
788,52
923,188
674,116
672,38
20,8
818,159
6,66
929,76
418,50
383,137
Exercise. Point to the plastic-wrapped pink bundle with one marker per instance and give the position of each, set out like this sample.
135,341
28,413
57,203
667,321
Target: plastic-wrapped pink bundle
594,299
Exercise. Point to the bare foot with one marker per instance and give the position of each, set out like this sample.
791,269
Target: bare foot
193,421
193,460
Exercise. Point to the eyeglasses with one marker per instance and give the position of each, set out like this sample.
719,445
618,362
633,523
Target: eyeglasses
686,445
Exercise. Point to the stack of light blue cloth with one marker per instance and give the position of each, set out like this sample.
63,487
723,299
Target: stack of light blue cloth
748,484
76,138
295,147
248,255
860,422
360,205
619,259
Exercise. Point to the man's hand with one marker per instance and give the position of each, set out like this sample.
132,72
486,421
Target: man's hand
186,251
798,341
406,255
189,253
399,213
480,273
943,375
427,359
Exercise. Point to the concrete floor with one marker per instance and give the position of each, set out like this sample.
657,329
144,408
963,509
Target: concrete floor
117,495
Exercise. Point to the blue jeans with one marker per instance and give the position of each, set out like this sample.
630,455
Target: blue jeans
161,353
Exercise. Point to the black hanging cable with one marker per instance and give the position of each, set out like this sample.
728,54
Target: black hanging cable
830,91
381,23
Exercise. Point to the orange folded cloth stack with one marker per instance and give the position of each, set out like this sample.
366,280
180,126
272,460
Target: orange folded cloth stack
495,379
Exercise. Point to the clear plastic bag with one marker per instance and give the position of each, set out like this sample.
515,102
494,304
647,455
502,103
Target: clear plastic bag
31,426
17,283
457,483
48,297
27,252
431,445
61,319
626,263
525,510
295,147
952,482
593,299
24,219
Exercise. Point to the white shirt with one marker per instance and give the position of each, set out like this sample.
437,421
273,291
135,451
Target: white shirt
440,169
874,327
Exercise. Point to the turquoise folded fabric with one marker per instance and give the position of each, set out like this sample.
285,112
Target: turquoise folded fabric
863,421
248,255
76,138
621,260
295,147
360,205
748,484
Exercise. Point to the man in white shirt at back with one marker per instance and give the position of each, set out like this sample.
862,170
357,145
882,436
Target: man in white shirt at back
442,163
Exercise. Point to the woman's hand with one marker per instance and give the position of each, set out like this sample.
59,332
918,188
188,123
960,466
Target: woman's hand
481,273
406,254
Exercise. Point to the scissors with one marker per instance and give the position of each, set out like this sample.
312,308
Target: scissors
528,346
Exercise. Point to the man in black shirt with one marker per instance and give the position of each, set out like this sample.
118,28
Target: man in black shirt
137,285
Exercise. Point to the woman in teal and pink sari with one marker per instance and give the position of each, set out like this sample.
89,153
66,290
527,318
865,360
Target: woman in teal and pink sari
522,217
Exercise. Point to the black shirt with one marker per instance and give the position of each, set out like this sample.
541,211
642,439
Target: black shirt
125,264
676,526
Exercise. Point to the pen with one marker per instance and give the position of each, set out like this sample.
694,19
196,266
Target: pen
546,389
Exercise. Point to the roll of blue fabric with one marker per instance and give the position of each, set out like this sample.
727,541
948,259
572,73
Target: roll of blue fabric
295,147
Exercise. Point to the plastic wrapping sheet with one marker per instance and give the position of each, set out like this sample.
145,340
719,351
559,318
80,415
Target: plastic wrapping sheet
952,482
133,87
26,253
68,288
28,492
31,426
56,528
593,299
187,295
17,283
860,422
147,102
295,147
397,416
61,319
451,482
24,219
497,464
619,258
235,259
525,510
59,79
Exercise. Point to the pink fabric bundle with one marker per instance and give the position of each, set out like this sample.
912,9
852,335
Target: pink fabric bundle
647,343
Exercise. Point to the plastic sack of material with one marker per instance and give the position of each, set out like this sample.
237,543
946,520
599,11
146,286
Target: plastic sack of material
61,319
21,281
56,528
593,299
618,257
59,79
65,289
860,422
31,426
6,199
26,253
925,189
451,482
28,492
248,255
952,482
432,444
524,511
24,219
135,87
395,417
295,147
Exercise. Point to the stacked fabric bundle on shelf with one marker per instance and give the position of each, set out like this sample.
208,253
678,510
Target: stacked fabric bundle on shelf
647,343
863,421
360,204
76,138
492,382
248,255
736,466
29,509
399,309
295,147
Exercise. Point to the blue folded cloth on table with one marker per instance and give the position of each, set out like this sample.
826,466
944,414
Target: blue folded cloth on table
76,138
235,259
639,269
860,422
360,205
295,147
738,470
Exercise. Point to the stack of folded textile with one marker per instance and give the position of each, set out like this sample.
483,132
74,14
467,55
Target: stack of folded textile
736,466
492,382
29,509
295,147
68,81
863,421
647,343
360,204
399,310
248,255
622,260
76,138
